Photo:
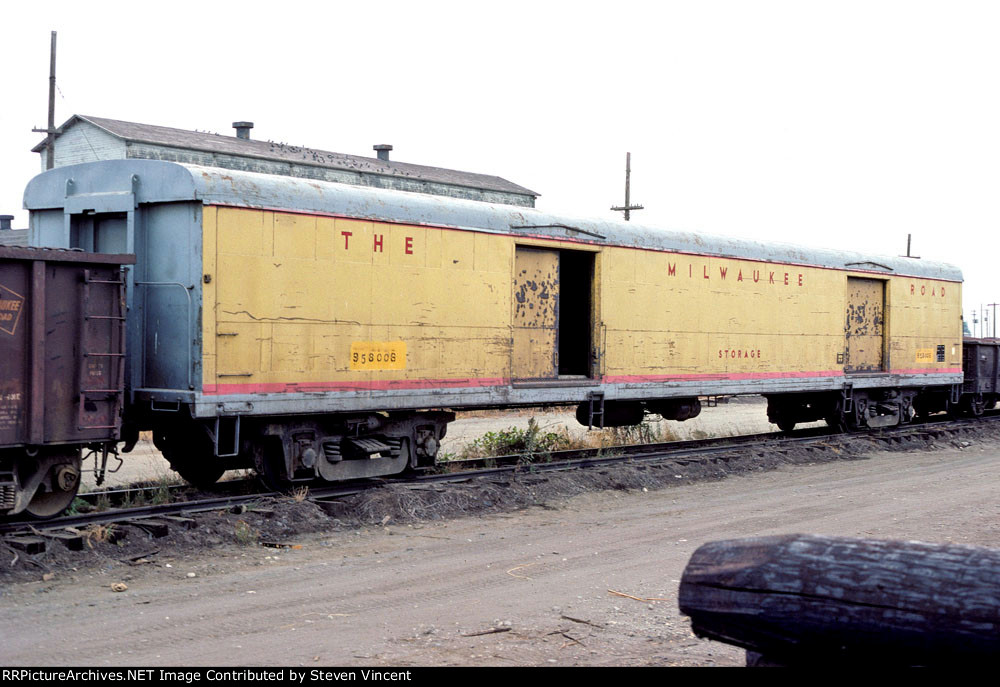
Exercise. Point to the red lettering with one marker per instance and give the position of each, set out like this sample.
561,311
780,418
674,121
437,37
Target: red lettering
942,292
923,289
758,352
756,276
786,278
739,277
704,271
771,277
720,352
671,270
690,268
378,243
409,245
739,354
933,291
722,271
347,237
800,280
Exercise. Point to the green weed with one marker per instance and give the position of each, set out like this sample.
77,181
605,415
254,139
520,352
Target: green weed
246,535
532,443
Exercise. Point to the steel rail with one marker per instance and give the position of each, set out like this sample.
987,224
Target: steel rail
683,452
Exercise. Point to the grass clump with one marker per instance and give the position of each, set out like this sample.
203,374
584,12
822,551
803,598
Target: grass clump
246,534
100,534
78,506
531,443
643,433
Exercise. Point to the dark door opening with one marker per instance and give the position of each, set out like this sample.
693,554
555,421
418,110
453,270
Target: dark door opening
553,314
576,278
99,233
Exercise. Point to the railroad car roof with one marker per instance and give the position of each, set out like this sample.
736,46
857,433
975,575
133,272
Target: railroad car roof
154,181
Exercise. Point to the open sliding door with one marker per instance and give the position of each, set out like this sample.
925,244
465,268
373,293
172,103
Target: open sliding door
553,322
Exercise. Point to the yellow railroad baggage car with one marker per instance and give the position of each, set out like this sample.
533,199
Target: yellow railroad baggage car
315,329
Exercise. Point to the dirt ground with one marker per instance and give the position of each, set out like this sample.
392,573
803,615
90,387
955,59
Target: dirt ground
585,579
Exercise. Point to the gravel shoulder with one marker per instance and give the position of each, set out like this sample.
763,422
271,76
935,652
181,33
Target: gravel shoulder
589,579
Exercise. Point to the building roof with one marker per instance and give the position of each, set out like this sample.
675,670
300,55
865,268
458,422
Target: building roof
269,150
14,237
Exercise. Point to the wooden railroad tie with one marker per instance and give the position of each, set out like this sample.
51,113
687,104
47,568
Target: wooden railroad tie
801,599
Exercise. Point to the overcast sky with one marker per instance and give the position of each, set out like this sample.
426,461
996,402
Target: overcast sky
834,124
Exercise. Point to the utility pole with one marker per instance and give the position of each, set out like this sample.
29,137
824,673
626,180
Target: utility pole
50,140
915,257
994,306
628,173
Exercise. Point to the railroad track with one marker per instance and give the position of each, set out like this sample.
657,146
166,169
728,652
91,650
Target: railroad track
157,519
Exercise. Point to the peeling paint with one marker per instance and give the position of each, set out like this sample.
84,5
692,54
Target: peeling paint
864,327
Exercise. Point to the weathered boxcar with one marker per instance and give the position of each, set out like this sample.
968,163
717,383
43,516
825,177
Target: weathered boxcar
319,329
62,370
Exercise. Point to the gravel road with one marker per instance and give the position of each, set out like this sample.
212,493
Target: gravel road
588,580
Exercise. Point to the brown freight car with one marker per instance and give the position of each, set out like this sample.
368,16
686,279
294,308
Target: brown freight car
62,370
981,361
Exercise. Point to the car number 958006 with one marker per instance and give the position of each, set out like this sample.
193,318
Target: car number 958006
378,355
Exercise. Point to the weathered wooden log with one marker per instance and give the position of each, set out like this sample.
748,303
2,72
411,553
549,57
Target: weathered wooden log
801,599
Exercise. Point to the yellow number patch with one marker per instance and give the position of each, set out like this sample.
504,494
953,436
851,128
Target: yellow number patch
378,355
925,355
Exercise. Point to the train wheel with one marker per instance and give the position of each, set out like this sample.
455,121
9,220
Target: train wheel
857,420
198,473
57,489
835,417
785,424
269,464
191,454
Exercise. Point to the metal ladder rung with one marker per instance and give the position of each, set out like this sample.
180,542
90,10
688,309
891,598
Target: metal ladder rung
592,397
111,397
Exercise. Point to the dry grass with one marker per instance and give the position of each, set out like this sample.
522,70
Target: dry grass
101,534
300,494
534,442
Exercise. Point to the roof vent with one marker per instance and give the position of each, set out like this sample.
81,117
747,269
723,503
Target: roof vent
5,221
383,151
243,130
